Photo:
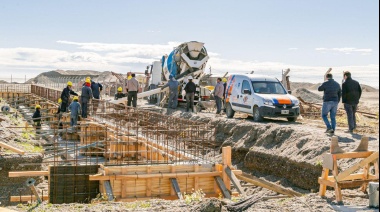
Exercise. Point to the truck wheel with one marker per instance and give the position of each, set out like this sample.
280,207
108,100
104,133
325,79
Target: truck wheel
256,115
229,111
292,119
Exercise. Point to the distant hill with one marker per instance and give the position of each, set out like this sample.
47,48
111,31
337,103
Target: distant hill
3,82
63,75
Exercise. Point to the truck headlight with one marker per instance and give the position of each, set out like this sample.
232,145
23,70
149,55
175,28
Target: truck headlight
296,102
268,102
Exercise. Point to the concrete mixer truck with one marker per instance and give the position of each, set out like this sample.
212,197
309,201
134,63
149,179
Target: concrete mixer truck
187,59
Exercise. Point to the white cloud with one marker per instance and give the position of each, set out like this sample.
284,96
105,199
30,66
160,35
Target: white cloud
293,49
346,50
135,57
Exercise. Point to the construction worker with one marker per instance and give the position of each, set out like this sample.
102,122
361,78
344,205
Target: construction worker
59,113
119,93
86,97
218,95
224,80
132,86
37,118
190,89
65,96
74,108
173,92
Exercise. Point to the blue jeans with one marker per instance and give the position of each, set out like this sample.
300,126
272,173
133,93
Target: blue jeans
351,115
74,121
330,107
218,101
173,100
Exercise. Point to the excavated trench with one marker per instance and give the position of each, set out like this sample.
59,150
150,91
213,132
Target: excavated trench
289,151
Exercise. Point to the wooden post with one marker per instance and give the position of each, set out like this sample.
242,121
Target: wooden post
323,187
226,155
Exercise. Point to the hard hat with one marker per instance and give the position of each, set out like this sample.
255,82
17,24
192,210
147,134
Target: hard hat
59,100
129,77
75,98
88,80
171,77
38,106
190,78
224,80
69,83
120,89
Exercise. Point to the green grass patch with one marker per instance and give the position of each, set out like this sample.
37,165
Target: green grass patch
31,148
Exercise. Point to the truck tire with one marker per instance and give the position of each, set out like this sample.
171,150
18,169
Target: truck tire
292,119
256,115
229,111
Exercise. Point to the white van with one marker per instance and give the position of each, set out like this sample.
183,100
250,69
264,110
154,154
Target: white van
261,96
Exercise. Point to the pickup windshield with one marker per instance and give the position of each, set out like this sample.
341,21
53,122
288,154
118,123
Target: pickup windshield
268,87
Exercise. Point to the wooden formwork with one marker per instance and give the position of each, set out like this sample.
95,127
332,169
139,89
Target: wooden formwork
348,178
130,183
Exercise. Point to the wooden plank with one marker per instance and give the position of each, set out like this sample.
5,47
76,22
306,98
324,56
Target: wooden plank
28,173
325,183
234,180
196,179
357,166
14,149
226,158
322,187
123,183
161,197
109,193
222,187
357,176
271,186
353,155
148,182
27,198
175,187
163,175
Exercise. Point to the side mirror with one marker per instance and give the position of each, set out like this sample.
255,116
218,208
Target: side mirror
289,92
246,91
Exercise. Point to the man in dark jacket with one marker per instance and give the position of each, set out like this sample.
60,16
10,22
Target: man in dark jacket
65,96
96,89
190,89
351,93
37,118
331,97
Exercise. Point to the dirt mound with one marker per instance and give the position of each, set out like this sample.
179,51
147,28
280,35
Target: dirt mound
367,88
308,96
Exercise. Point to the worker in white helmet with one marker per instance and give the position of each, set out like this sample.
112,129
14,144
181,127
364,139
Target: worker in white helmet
190,89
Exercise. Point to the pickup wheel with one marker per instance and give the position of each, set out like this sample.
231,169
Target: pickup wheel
229,111
292,119
256,115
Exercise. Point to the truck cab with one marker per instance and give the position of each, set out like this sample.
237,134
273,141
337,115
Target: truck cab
260,96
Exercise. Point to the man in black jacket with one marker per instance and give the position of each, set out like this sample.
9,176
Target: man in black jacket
65,96
331,97
190,89
351,93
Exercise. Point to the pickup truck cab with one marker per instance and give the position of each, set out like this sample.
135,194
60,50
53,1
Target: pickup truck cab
260,96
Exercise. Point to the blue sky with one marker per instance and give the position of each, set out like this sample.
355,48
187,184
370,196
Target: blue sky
243,35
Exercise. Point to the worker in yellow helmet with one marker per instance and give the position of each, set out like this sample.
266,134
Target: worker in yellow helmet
59,114
37,118
65,96
74,109
120,93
